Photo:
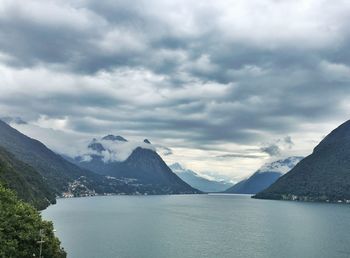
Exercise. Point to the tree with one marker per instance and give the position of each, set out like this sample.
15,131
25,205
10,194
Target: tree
20,226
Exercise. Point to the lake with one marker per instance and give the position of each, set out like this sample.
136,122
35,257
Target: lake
191,226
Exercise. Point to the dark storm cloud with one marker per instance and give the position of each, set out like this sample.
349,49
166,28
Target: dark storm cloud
206,74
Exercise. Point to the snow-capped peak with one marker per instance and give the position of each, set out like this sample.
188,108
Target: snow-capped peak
177,168
281,166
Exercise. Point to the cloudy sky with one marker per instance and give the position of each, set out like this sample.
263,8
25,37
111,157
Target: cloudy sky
226,85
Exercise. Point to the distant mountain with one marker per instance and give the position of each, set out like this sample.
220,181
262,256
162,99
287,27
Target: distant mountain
59,174
238,188
111,137
143,169
15,120
322,176
264,177
198,182
28,184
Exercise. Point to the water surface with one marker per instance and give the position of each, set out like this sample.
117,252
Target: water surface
191,226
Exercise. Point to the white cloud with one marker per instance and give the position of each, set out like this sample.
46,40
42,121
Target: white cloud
337,72
120,151
205,79
50,14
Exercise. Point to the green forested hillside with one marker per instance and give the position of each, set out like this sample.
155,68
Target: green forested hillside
322,176
20,226
25,181
57,172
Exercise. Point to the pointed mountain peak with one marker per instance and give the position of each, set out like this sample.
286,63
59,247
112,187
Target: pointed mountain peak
176,166
146,141
143,151
337,136
112,137
179,169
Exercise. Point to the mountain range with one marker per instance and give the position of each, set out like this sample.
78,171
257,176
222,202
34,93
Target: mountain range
114,165
143,168
264,177
322,176
198,182
57,173
38,175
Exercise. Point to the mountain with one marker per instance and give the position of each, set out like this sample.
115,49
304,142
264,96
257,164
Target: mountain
111,137
56,171
96,146
237,188
143,169
27,183
198,182
264,177
15,120
322,176
58,174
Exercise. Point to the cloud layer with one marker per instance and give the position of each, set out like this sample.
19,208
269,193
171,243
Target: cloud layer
185,74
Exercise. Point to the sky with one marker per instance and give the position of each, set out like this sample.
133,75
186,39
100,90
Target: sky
219,86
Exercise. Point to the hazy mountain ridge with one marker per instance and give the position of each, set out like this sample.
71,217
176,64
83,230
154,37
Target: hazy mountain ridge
322,176
265,176
198,182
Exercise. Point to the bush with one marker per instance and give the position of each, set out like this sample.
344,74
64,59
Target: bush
20,226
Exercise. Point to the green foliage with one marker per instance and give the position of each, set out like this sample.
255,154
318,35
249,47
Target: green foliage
20,225
25,181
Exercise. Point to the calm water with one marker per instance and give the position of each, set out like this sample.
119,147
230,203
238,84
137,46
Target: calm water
199,226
